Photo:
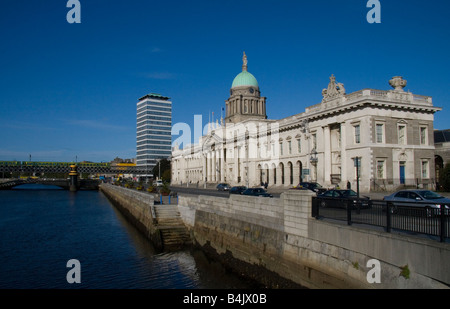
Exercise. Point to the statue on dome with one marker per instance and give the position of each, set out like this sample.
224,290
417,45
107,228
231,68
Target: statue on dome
244,62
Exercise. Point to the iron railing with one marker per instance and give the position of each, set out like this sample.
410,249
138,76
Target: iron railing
399,216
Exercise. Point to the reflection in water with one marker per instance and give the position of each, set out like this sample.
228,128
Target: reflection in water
42,229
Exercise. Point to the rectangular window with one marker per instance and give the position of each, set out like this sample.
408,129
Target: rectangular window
423,135
357,129
425,169
402,134
290,147
299,146
281,149
381,171
314,141
379,133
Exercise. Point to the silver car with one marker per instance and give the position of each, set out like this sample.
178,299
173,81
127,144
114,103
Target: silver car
418,198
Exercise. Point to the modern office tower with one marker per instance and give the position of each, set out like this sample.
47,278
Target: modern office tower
153,131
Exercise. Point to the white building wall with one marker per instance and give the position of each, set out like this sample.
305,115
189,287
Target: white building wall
329,127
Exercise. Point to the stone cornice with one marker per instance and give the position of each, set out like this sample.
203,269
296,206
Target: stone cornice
394,100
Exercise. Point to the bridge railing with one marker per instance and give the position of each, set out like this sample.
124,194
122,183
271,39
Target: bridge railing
401,217
66,169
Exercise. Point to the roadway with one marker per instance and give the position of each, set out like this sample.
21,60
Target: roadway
193,189
276,192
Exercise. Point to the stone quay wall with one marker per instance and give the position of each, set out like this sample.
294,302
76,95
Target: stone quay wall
279,235
137,207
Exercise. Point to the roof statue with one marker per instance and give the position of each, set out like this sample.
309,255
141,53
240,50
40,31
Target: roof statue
334,90
398,83
244,62
244,78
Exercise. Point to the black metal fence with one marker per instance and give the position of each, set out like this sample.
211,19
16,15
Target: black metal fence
399,216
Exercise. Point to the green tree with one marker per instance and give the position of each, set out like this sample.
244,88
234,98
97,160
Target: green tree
167,175
444,179
165,165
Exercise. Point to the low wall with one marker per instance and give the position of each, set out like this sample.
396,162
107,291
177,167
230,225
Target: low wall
279,235
137,208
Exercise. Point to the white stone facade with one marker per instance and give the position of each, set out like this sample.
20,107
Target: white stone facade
391,132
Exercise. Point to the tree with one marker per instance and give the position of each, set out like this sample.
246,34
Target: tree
165,165
167,175
444,179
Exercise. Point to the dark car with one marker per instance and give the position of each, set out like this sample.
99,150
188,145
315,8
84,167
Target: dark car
313,186
223,187
341,198
238,189
424,199
257,192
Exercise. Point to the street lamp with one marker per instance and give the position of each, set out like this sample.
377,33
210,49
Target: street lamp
358,166
159,169
313,159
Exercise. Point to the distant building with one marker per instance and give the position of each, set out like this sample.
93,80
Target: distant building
153,137
384,135
118,160
121,165
442,145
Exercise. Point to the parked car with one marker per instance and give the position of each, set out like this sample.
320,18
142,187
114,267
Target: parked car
313,186
223,187
341,198
159,183
238,189
257,192
425,199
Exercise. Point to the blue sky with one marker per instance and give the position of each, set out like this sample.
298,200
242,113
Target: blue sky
70,90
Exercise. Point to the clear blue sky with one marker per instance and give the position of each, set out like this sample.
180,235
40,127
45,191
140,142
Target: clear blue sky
70,90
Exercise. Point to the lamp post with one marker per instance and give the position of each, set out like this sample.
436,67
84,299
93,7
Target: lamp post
313,159
205,158
159,168
357,165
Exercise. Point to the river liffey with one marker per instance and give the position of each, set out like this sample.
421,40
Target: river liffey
42,229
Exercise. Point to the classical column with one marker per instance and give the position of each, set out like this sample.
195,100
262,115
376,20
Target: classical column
210,165
204,168
327,154
223,166
344,176
214,166
236,161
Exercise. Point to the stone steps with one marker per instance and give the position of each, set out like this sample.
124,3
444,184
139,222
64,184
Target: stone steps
173,231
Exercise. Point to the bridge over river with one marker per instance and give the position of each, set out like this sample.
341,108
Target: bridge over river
83,184
64,167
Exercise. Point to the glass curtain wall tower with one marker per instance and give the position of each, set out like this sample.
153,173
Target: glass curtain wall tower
153,137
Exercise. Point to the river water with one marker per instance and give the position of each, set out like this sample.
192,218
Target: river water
42,229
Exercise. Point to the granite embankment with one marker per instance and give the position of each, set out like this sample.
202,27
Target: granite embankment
279,235
161,224
278,243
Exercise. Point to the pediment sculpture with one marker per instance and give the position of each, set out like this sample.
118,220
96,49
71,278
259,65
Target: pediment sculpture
334,90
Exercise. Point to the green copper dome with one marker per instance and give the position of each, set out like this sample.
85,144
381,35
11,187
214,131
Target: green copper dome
244,79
